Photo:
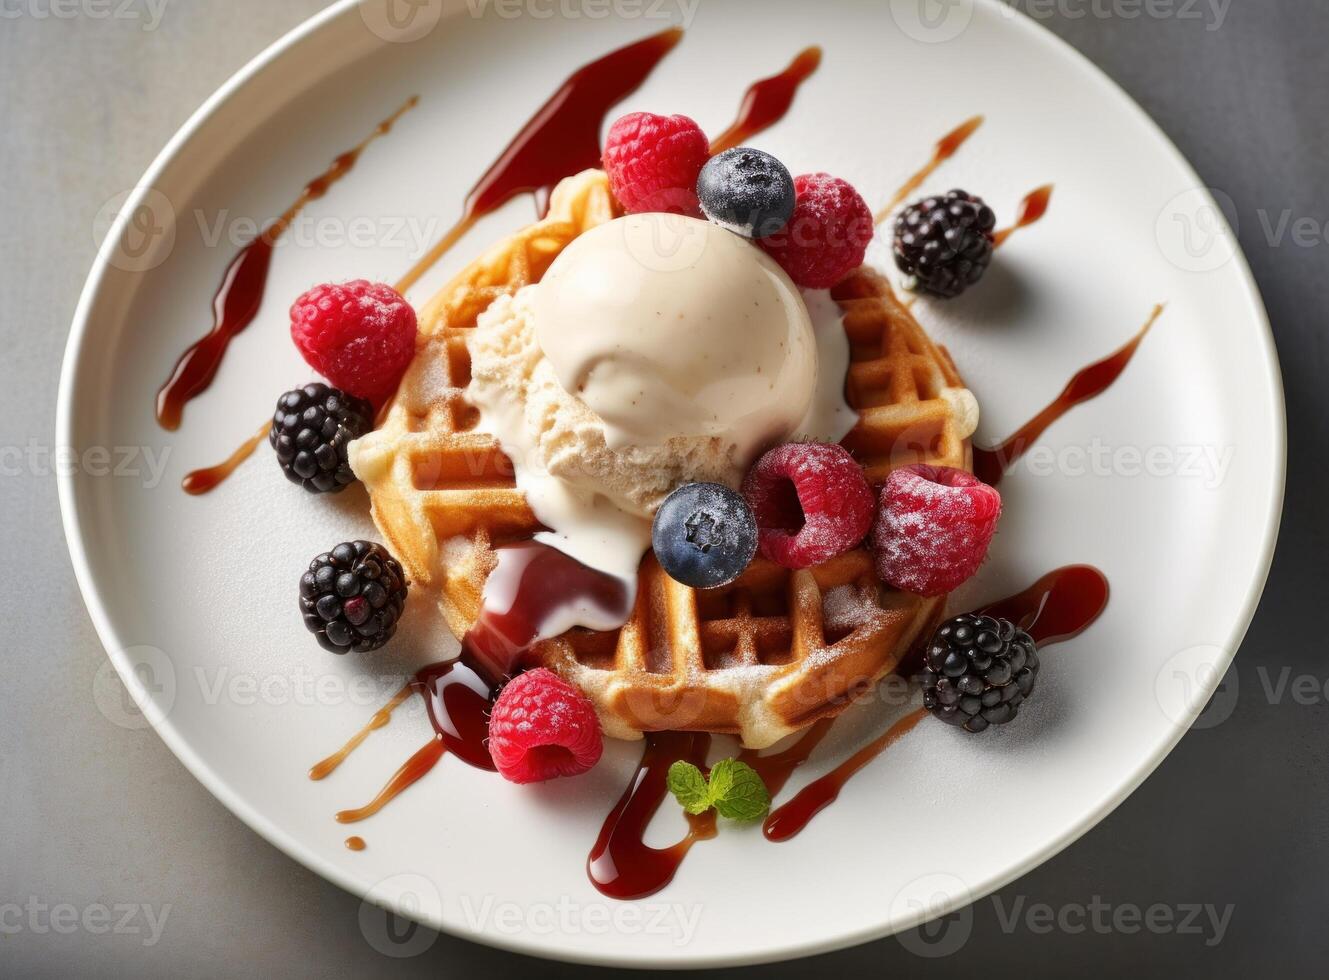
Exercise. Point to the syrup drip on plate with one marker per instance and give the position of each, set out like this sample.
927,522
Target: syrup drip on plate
458,697
458,694
787,820
945,149
767,101
562,138
355,843
1059,606
241,292
411,771
380,718
205,480
1032,209
1089,382
621,864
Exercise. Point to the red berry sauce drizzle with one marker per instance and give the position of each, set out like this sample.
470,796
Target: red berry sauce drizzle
460,693
621,864
241,292
561,139
990,465
767,101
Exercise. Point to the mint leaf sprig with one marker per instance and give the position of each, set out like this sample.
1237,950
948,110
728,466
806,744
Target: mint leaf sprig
734,789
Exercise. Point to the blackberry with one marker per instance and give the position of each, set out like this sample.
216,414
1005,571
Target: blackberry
352,597
945,243
311,429
977,672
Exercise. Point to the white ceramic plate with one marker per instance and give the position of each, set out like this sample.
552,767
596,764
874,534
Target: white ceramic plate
194,598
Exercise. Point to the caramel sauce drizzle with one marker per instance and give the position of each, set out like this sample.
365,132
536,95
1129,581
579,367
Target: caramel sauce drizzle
766,101
241,292
206,480
945,149
380,718
1032,209
991,464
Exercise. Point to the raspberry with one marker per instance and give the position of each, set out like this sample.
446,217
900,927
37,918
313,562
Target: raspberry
828,235
934,529
653,162
359,335
542,727
811,501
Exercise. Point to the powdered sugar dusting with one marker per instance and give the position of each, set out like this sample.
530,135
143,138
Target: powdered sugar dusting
847,607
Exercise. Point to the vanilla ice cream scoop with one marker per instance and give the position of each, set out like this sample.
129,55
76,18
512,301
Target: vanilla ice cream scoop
668,327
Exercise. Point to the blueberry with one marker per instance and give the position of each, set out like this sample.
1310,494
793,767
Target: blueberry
747,191
704,535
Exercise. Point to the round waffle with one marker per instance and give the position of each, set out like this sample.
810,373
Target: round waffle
760,658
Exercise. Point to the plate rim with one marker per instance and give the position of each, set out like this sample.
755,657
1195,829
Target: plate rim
293,847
